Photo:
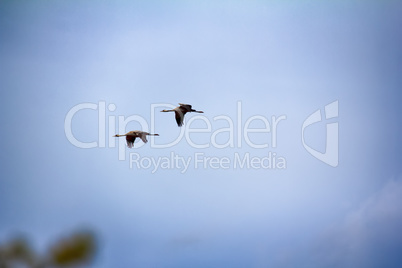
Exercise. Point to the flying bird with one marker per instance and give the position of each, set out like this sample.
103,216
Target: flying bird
180,111
132,135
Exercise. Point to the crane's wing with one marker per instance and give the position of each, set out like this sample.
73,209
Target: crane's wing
130,141
185,106
143,137
179,117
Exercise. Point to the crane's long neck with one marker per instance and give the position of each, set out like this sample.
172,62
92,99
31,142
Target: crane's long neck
194,111
153,134
118,135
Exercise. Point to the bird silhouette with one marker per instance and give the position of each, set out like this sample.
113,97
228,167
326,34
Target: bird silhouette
132,135
180,111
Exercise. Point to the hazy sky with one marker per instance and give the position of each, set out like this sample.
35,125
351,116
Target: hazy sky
272,59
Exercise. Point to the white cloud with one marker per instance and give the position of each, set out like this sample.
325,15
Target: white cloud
369,236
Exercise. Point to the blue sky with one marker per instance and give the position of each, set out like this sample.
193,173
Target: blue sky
275,57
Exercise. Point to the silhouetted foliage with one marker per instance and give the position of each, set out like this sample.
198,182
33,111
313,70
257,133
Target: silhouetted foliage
77,249
73,250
